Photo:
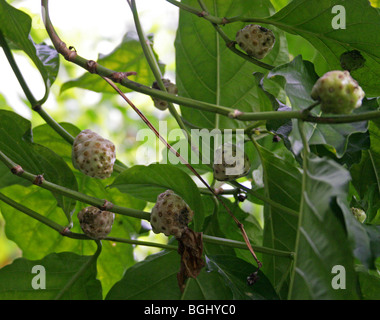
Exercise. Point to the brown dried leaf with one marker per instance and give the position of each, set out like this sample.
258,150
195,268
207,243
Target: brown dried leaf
190,247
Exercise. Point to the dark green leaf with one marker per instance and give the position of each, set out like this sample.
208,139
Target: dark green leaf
16,279
207,70
282,180
321,240
313,21
235,271
369,283
16,143
155,278
147,182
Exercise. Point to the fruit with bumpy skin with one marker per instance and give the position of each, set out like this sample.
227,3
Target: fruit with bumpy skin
359,214
230,163
170,88
256,40
93,155
338,92
95,223
170,215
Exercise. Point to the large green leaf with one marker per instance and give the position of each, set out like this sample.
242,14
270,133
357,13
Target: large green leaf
155,278
16,279
364,238
207,70
366,174
234,271
16,26
322,243
282,180
298,78
17,143
147,182
127,56
313,21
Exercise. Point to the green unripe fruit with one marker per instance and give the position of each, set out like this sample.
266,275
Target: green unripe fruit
170,88
95,223
230,163
170,215
359,214
338,92
255,40
93,155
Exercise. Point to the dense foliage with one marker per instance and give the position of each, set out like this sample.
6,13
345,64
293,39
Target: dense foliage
311,173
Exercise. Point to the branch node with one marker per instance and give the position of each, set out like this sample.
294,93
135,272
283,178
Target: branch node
231,44
218,190
65,231
37,108
202,14
107,206
234,114
225,21
39,180
92,66
17,170
118,77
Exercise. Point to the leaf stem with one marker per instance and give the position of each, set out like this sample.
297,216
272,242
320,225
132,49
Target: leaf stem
73,57
306,151
65,232
8,53
149,55
31,213
242,245
17,169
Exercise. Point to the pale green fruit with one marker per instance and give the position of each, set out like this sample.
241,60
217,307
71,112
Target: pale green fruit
93,155
255,40
95,223
338,92
170,215
230,163
170,88
359,214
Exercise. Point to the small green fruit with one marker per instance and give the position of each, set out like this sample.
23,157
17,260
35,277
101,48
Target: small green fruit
170,88
255,40
170,215
95,223
359,214
93,155
230,163
338,92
